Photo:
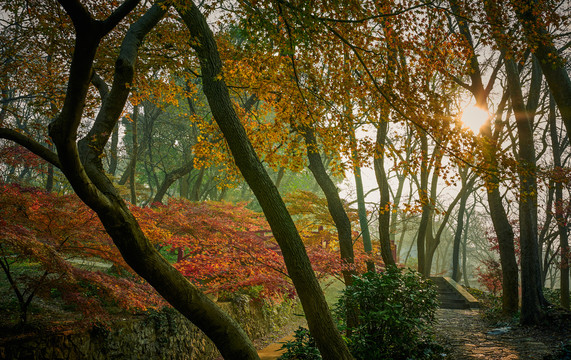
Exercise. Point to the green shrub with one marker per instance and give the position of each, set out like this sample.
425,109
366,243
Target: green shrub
396,309
491,308
553,296
301,348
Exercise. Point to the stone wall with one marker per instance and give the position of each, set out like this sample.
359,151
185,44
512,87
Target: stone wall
160,335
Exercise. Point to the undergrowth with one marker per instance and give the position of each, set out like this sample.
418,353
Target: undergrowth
396,311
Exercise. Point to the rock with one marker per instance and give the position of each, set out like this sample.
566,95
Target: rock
499,331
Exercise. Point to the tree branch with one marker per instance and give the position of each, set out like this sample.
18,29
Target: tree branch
31,145
118,15
79,15
101,85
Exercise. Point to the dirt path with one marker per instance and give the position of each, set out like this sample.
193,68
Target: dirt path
269,348
467,336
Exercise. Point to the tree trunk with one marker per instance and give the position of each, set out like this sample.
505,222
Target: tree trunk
457,240
134,155
500,221
464,251
334,204
50,178
113,151
394,217
321,325
426,207
559,210
171,177
363,220
429,247
531,287
361,207
184,182
195,192
385,200
431,240
551,62
459,229
81,164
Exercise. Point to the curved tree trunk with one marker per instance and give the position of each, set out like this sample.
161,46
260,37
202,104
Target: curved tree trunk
321,325
338,213
171,177
83,168
334,204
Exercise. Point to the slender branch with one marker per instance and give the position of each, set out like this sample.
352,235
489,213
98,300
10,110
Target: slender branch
31,144
124,73
91,146
493,78
355,21
119,14
101,85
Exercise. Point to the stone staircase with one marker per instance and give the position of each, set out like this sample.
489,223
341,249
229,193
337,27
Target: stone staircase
452,295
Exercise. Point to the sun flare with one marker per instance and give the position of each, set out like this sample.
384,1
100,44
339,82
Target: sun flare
474,117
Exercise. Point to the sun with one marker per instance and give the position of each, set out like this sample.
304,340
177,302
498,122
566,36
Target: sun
474,117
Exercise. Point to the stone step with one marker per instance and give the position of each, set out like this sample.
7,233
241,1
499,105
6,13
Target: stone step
453,296
446,305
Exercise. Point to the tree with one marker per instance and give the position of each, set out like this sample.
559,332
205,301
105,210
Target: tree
532,289
81,164
320,322
468,180
535,17
502,226
560,217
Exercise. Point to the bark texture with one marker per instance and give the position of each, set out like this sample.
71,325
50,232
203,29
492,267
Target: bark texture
552,64
559,210
385,200
321,325
500,221
81,164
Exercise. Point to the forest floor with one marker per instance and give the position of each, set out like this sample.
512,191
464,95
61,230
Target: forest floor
466,335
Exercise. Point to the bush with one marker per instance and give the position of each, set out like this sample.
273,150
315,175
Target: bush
553,296
491,308
301,348
396,310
